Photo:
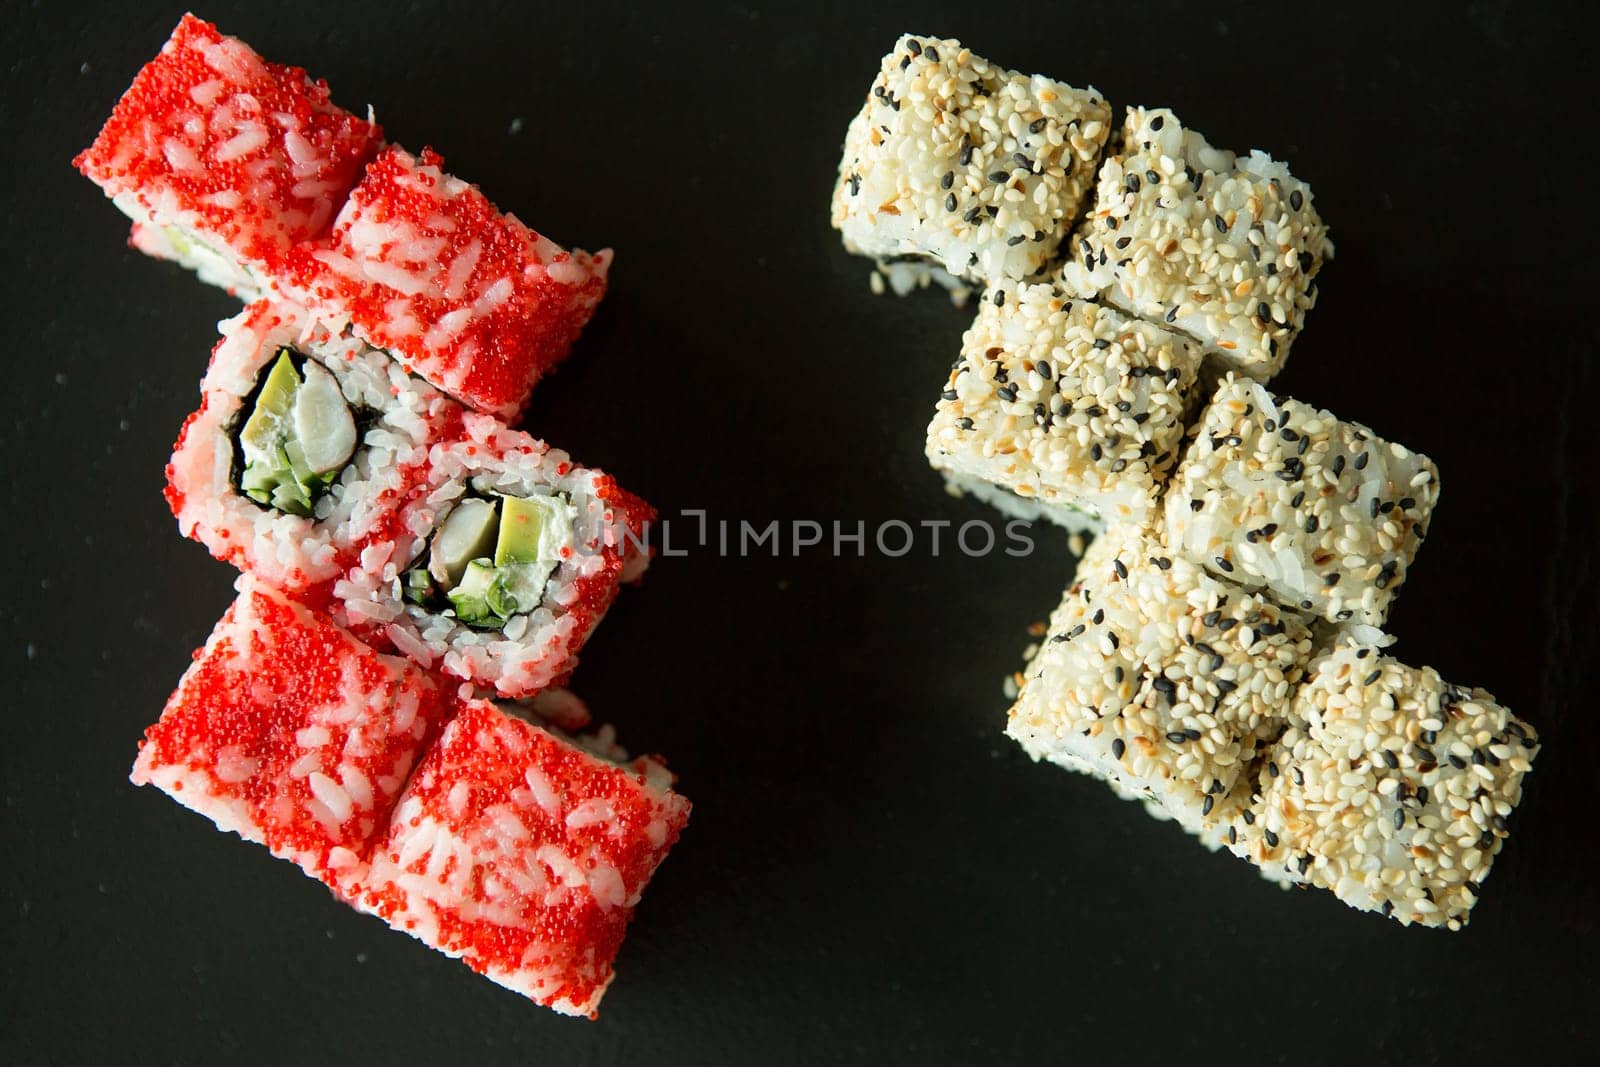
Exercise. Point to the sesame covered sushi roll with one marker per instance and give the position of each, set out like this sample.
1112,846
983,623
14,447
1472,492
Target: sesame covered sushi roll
979,169
1325,514
291,733
1392,788
225,161
1225,248
422,265
1065,403
1159,678
524,855
502,564
303,450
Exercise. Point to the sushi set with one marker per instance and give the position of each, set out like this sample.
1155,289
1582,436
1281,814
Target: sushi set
382,705
1220,654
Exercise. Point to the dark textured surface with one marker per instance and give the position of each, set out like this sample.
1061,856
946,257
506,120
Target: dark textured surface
873,871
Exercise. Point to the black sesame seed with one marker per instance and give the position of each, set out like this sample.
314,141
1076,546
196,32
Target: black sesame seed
1099,616
1263,312
1331,579
1295,199
1157,122
1272,839
948,180
1206,804
1249,817
1299,498
914,46
1222,227
1373,677
1361,461
1101,343
1391,759
1117,747
1196,505
1224,564
998,176
1117,565
1224,686
999,298
1272,769
950,202
1133,183
964,424
933,54
1152,177
1177,737
1233,835
1399,818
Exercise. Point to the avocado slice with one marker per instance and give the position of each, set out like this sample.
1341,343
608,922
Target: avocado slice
467,534
527,524
268,425
321,422
470,597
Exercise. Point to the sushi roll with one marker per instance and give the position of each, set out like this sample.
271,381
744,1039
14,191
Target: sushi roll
291,733
524,855
979,169
502,564
224,161
304,448
1223,247
422,265
1391,788
1066,404
1324,514
1159,679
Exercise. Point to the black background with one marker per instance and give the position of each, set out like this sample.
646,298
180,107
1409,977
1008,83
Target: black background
873,871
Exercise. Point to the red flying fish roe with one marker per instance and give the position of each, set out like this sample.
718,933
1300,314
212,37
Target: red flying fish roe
524,856
422,264
251,155
291,733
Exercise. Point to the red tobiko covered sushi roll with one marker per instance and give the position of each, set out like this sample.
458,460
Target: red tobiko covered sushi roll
524,854
501,565
291,733
225,161
303,451
421,264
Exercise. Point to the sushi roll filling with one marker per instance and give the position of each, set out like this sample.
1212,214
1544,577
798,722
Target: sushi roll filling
492,556
298,438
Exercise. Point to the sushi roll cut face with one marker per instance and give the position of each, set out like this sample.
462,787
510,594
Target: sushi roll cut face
291,733
225,161
422,265
1065,403
1160,679
979,169
1223,247
524,855
1393,788
502,564
305,447
1324,514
